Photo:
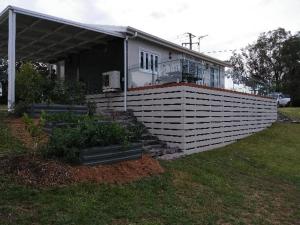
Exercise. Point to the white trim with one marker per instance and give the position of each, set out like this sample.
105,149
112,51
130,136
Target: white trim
11,60
125,72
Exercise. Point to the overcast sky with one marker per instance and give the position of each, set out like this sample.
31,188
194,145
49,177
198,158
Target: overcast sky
229,24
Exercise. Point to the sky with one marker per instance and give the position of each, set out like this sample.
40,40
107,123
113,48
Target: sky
230,24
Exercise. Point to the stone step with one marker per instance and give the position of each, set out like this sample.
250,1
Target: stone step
148,136
152,147
151,142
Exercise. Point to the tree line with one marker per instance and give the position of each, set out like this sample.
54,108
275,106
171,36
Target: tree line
270,64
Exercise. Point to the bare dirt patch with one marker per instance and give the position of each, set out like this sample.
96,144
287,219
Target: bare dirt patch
35,171
18,130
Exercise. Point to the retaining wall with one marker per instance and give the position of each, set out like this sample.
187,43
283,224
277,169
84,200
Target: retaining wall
192,117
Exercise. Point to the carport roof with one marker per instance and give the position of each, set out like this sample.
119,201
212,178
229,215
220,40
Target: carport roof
46,38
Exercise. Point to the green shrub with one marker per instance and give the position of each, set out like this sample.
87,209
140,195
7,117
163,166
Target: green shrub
65,143
29,84
68,92
32,87
20,108
62,145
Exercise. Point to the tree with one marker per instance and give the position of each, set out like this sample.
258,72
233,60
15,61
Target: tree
29,84
291,63
259,65
40,67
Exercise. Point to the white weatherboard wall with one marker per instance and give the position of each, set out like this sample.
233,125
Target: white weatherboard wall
194,118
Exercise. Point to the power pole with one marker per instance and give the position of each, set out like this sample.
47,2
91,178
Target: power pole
199,38
190,43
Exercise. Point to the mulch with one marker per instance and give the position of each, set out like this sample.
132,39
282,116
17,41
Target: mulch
31,169
34,171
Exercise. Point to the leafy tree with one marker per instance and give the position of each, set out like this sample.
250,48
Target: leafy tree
29,84
40,67
291,63
260,64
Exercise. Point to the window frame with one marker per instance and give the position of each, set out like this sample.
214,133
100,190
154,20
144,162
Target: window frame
152,56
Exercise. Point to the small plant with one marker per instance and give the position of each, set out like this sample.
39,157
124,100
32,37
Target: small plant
30,126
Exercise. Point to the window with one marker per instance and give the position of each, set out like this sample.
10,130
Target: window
148,61
156,64
212,77
142,60
151,62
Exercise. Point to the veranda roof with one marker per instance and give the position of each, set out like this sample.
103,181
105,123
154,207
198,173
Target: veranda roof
46,38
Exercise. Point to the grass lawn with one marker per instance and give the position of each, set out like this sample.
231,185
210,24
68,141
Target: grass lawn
254,181
291,112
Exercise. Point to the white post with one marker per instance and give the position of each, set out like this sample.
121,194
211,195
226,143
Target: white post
11,60
125,73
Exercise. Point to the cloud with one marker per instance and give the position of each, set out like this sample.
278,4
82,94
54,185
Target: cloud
157,15
229,24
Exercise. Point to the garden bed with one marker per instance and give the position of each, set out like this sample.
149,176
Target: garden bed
33,170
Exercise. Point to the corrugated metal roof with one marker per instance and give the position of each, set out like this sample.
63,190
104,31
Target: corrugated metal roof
116,31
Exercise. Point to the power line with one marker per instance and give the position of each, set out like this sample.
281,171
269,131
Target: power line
225,50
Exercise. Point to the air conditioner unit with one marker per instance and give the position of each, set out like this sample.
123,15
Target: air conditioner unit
111,81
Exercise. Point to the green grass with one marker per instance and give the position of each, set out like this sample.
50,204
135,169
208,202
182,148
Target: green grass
254,181
291,112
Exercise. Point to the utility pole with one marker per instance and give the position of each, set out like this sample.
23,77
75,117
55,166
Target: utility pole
190,43
199,38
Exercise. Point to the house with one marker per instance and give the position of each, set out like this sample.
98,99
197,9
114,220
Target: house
176,92
150,60
86,51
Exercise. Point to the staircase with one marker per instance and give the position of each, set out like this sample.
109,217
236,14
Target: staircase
150,143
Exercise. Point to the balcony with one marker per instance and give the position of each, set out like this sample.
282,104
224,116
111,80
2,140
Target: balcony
179,70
